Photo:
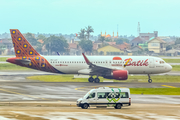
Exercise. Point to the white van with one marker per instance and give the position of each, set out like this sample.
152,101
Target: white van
105,96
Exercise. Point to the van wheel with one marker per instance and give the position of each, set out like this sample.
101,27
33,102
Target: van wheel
85,106
118,106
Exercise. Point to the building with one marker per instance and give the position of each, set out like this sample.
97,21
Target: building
110,49
173,52
136,48
136,41
74,49
125,46
157,45
147,36
6,46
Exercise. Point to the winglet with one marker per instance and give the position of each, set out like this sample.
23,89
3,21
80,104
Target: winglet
86,59
58,54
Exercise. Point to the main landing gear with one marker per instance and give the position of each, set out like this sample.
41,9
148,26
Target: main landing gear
149,80
96,80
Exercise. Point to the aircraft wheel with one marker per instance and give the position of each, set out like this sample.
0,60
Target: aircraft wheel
97,80
91,79
150,81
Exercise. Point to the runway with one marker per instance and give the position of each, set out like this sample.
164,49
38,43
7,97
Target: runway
21,89
26,99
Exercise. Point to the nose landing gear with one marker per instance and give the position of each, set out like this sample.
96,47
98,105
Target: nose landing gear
149,80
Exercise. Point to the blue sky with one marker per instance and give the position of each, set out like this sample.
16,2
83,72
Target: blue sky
69,16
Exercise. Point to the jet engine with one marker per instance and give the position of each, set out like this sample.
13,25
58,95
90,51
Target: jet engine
118,75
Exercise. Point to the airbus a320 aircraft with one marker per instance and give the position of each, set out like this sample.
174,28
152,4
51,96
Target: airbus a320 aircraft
110,67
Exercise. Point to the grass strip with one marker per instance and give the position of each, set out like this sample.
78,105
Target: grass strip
59,78
172,60
175,67
155,91
9,66
155,79
70,78
3,59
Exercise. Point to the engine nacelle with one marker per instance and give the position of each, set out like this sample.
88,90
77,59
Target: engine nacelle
118,75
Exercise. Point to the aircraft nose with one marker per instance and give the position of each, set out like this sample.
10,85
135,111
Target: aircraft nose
169,67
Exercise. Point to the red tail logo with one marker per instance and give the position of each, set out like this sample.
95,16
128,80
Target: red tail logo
26,55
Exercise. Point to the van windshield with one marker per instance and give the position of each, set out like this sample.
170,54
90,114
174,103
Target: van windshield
88,93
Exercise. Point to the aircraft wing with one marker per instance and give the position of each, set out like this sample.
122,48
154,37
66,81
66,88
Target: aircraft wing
93,68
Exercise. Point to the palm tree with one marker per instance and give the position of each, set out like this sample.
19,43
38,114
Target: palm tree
82,34
89,30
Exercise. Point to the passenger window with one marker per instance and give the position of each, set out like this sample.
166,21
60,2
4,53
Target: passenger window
124,95
92,95
101,95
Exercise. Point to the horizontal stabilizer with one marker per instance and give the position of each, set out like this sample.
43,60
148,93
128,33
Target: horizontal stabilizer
23,61
15,60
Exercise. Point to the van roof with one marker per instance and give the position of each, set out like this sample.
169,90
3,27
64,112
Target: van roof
112,88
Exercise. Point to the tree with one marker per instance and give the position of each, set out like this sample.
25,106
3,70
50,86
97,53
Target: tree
31,38
121,40
102,39
177,41
82,34
41,37
86,45
169,47
89,30
40,44
56,44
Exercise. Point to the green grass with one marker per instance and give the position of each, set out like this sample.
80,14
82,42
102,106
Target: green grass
156,79
175,67
9,66
70,78
3,59
155,91
172,60
58,78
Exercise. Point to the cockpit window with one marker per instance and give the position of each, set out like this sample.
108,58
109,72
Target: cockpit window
161,62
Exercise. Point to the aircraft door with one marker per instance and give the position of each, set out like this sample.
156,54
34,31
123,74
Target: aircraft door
151,63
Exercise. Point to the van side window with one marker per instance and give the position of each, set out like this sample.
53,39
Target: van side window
124,95
112,95
92,95
101,95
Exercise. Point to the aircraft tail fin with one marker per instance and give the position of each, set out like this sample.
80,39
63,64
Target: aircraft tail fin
22,47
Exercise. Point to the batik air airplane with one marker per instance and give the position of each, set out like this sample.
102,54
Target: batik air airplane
110,67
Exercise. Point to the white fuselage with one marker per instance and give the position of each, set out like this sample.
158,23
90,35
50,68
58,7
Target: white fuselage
137,65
